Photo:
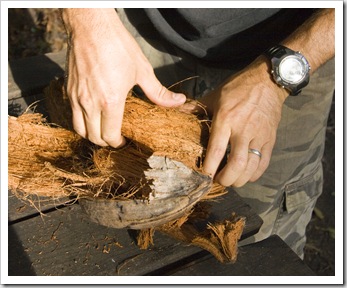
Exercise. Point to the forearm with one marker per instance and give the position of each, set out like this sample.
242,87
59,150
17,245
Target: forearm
315,39
97,32
247,107
87,20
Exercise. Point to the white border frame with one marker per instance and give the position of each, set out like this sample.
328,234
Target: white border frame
339,129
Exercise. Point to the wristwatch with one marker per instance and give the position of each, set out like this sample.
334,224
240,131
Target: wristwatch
290,69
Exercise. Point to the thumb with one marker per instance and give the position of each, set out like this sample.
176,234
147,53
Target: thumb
160,95
193,107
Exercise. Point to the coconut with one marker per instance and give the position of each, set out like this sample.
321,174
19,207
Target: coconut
153,182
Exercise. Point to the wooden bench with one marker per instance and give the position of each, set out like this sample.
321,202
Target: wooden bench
64,242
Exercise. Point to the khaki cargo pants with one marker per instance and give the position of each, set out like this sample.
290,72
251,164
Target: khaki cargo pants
286,194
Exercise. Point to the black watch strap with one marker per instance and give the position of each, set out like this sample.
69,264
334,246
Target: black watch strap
277,50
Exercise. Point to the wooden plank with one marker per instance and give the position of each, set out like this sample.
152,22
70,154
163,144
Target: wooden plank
18,210
65,242
253,221
270,257
28,76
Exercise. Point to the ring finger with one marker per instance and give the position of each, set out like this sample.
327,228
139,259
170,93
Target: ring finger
254,158
266,151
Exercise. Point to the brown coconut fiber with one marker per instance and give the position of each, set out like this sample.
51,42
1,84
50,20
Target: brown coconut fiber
51,161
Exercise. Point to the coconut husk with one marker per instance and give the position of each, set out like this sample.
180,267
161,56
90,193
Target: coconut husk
220,238
165,131
40,151
50,160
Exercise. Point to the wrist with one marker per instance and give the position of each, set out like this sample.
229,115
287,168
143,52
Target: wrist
317,32
262,70
76,19
88,24
289,69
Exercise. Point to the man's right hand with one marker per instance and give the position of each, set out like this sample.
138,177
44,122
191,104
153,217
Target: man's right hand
104,63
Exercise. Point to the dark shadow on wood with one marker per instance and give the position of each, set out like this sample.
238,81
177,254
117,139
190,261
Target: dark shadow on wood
28,77
270,257
19,263
32,74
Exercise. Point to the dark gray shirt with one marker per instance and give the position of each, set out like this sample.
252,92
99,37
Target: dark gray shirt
226,36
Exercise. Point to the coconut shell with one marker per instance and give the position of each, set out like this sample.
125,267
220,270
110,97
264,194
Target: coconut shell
154,181
175,190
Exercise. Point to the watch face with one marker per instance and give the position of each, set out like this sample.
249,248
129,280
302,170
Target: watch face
293,69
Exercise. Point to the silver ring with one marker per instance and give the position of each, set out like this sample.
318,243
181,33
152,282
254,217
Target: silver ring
255,151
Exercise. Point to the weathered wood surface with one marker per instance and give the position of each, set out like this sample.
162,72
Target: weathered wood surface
19,210
65,242
270,257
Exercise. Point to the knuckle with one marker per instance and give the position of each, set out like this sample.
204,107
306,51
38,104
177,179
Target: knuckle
253,163
217,151
225,178
110,100
224,114
103,101
239,161
264,163
224,181
84,100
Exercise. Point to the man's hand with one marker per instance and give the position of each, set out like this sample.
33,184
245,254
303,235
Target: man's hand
246,108
246,111
104,63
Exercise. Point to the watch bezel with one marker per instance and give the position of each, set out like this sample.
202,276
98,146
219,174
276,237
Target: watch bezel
277,54
303,64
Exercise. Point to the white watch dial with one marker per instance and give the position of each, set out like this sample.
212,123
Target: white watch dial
292,69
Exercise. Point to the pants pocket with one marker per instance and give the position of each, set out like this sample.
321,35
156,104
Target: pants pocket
304,191
299,200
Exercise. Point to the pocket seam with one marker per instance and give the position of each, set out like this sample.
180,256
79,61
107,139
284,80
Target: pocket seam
301,182
291,200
